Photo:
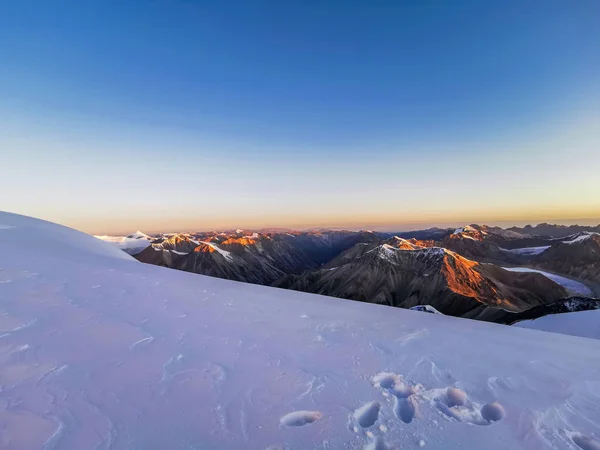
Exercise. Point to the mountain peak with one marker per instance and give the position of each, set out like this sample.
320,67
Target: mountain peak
139,235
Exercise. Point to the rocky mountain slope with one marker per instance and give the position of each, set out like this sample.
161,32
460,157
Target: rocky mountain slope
405,274
258,259
456,271
556,231
577,255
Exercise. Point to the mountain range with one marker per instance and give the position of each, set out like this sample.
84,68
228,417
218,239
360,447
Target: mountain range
475,271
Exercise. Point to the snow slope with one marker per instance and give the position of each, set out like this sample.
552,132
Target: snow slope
28,235
99,352
576,287
582,323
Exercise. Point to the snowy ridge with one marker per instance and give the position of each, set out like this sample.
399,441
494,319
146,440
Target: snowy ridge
389,253
527,250
132,244
465,229
102,352
579,237
139,235
225,253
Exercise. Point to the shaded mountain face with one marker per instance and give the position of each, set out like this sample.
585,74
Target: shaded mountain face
255,259
577,255
407,275
567,305
556,231
435,234
322,246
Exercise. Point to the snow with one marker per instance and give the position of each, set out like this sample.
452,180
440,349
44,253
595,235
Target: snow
24,233
575,287
156,358
581,323
225,253
139,235
425,308
580,237
132,244
528,251
467,229
179,253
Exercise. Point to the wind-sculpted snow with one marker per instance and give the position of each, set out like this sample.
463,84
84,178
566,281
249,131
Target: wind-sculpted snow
98,352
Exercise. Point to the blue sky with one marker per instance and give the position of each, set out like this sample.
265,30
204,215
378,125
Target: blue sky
390,114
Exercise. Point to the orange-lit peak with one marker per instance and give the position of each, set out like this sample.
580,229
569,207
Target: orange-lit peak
410,244
204,248
245,240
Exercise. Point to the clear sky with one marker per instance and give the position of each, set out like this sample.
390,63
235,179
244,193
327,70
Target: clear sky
171,115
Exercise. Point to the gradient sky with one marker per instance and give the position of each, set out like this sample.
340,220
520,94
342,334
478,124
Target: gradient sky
172,115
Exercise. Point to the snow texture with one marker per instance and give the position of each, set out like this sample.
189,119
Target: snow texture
132,244
527,251
575,287
98,351
581,323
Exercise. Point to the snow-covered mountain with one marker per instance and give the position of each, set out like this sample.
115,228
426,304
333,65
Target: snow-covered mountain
405,274
100,351
132,244
259,259
577,255
306,261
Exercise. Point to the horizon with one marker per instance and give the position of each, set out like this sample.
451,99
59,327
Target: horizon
399,115
382,229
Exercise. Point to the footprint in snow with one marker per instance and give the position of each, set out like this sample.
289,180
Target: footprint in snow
378,444
367,415
406,409
393,384
451,401
455,397
585,442
454,403
493,412
300,418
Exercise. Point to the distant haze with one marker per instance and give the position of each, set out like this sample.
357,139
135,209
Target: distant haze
381,227
167,116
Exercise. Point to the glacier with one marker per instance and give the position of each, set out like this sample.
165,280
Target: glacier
576,287
99,351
